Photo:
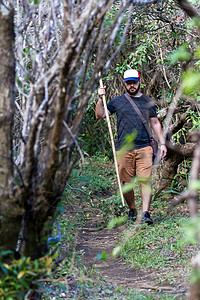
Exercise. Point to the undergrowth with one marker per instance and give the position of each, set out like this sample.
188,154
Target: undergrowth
160,248
91,185
165,248
95,184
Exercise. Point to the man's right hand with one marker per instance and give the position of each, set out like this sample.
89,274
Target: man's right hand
99,111
101,91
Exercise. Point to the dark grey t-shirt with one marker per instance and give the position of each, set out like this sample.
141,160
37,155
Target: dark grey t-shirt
128,119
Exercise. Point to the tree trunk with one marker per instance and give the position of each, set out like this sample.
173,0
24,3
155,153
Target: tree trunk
10,211
55,80
170,165
7,83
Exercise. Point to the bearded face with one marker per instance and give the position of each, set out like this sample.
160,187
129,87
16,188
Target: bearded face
132,91
132,87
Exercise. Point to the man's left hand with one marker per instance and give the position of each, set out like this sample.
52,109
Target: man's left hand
163,150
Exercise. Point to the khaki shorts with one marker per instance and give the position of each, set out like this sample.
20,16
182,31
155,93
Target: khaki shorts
138,161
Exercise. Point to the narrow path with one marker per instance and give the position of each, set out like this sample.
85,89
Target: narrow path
115,270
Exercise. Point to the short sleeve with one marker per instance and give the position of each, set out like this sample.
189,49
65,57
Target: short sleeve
152,106
152,112
111,106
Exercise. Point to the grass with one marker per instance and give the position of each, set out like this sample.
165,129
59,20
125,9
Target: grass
95,185
162,248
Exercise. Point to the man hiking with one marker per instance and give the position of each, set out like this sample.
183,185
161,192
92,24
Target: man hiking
138,160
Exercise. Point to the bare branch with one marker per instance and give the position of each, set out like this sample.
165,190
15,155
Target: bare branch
75,141
191,194
188,9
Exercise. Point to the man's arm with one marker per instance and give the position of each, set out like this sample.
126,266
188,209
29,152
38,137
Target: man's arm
99,111
156,126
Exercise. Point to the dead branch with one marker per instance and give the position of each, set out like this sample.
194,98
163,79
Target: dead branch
171,110
191,194
188,9
185,150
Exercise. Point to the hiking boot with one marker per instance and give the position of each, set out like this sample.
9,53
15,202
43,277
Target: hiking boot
146,218
132,215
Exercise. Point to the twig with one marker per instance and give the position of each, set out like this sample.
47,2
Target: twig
161,55
75,141
191,195
171,110
164,288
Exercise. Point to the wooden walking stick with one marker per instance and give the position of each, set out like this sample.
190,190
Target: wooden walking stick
112,139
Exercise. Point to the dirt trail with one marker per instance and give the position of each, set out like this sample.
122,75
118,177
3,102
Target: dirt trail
116,271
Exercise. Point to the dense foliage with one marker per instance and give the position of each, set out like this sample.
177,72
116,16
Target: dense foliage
158,46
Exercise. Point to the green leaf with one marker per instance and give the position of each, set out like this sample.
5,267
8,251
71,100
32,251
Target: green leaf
55,255
116,221
191,82
4,270
182,53
20,274
116,251
197,52
171,192
118,289
192,231
128,187
195,185
24,283
5,253
102,256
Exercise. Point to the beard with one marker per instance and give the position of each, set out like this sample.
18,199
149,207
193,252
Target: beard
135,92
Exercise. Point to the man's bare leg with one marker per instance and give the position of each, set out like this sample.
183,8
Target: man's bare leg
146,196
146,201
129,197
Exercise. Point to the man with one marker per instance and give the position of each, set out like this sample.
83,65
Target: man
139,159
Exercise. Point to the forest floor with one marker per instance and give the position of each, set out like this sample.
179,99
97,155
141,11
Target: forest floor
117,271
155,262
